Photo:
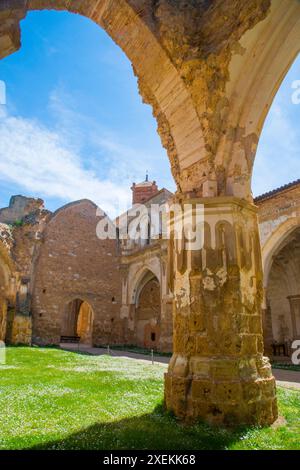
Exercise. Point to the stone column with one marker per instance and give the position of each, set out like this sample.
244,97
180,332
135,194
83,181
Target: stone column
218,372
295,311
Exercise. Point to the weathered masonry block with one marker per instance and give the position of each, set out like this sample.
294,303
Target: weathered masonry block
218,371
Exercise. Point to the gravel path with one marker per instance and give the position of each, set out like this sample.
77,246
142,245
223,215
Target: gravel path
284,378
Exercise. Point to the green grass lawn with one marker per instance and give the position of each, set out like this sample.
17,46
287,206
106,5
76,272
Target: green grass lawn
52,399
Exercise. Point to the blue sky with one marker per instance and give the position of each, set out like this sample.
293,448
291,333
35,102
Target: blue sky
75,126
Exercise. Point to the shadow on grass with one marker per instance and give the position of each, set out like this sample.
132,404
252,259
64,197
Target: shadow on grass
155,431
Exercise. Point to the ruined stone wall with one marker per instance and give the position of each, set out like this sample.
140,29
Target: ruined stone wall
277,207
23,236
279,219
7,294
284,281
19,207
74,264
7,280
138,267
24,219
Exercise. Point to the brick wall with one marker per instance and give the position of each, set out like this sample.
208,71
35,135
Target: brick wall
143,191
74,264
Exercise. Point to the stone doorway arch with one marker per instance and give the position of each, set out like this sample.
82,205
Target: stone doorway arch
148,312
78,321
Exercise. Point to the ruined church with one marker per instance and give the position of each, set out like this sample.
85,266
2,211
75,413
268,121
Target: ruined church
210,71
59,280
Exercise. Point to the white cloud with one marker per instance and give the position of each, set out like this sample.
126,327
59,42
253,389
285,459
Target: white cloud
81,130
43,162
125,161
73,158
277,161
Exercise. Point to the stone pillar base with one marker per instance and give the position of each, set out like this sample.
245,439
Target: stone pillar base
224,392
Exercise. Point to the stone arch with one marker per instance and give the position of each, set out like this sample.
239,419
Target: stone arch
137,281
160,84
257,69
148,276
275,242
210,93
282,288
148,312
78,320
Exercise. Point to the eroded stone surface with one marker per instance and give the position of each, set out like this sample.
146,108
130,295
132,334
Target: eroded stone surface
218,371
209,70
72,263
279,216
25,219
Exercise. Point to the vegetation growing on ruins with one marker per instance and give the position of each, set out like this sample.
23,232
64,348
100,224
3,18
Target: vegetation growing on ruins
52,399
18,223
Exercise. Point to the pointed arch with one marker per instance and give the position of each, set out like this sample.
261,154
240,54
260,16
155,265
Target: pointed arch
144,275
277,241
257,70
148,311
160,83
